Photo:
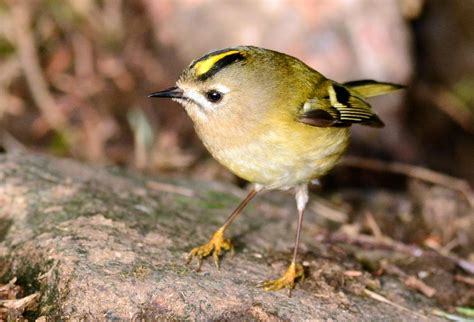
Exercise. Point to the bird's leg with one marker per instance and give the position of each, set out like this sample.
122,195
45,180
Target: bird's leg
217,243
295,270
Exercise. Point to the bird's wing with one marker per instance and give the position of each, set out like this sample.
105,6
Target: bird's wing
368,87
338,106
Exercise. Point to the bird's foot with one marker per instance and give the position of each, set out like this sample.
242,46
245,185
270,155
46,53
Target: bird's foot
288,280
214,246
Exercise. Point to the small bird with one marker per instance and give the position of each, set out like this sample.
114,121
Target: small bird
273,121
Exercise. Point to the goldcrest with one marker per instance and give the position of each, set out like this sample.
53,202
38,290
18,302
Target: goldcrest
274,121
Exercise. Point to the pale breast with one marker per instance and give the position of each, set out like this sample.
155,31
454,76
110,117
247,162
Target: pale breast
279,157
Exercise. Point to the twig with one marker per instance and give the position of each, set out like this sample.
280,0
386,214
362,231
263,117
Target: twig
449,246
450,316
455,108
384,243
409,280
10,143
20,304
28,55
464,279
323,208
419,285
414,172
373,226
390,244
166,187
450,104
8,286
383,299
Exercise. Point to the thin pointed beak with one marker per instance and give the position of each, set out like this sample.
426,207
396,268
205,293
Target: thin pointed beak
172,92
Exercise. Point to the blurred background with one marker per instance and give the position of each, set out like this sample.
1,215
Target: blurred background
74,75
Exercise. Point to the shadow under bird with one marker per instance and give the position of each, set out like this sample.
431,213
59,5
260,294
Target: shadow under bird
274,121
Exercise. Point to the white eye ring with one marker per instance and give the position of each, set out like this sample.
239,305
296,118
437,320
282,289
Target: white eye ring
221,88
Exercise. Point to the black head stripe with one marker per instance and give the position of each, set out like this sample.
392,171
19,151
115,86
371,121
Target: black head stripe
220,64
212,53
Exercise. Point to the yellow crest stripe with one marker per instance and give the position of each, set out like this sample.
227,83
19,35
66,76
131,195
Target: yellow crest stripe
204,66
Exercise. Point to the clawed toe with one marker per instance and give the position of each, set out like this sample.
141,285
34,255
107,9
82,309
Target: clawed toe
215,246
288,280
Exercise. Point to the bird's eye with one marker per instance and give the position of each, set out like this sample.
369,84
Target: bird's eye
214,96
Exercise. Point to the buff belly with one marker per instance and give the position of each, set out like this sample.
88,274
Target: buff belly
283,158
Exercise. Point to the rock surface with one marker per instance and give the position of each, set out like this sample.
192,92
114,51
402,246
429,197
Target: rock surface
101,243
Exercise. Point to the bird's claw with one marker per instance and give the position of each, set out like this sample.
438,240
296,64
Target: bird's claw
214,246
288,280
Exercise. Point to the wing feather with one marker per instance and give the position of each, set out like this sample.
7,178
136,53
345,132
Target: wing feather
369,87
338,107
